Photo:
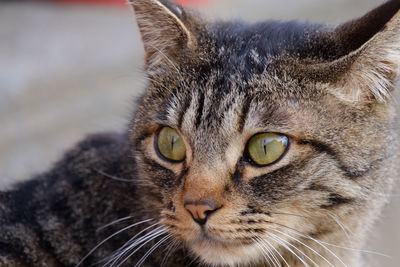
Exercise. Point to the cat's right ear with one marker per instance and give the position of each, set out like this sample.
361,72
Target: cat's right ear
166,30
369,50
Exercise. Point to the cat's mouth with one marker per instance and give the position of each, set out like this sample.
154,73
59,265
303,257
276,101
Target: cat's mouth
214,240
211,239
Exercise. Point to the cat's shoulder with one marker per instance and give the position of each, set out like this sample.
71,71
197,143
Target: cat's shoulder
73,194
95,152
94,156
110,142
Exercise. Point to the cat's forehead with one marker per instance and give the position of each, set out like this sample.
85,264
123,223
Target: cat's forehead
225,107
238,86
249,59
250,48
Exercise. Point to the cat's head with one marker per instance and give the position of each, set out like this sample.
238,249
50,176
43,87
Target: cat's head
250,135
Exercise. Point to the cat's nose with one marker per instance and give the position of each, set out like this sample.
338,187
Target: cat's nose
200,210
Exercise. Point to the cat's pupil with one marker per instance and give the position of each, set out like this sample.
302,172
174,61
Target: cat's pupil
265,146
173,140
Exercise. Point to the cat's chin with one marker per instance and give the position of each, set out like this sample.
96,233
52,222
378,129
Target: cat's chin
219,253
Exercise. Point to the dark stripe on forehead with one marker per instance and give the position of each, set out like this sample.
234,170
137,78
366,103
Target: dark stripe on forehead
272,113
244,112
184,108
199,112
162,111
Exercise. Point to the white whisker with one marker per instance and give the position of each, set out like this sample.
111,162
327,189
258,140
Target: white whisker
317,241
357,250
322,243
119,252
171,62
310,248
281,241
264,253
116,253
270,251
159,83
273,247
116,178
108,238
114,222
127,243
326,243
154,247
338,222
290,214
142,243
173,246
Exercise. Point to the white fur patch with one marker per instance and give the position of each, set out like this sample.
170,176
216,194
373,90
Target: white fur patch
221,255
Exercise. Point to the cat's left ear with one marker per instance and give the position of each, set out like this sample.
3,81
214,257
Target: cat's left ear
166,30
371,47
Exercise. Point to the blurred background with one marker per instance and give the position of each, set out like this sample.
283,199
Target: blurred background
72,67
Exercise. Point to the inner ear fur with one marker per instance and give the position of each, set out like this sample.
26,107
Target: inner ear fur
166,30
372,66
372,70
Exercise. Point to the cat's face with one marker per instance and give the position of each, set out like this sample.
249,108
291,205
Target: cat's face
240,147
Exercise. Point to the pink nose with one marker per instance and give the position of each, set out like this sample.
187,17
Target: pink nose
200,210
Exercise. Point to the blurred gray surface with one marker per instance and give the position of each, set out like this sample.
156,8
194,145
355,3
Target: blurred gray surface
66,71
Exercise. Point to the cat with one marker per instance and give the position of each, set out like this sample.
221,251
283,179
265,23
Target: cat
261,144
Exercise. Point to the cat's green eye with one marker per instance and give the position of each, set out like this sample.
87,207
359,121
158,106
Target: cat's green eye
170,144
266,148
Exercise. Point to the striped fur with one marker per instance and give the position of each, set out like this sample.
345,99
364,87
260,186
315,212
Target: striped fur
113,200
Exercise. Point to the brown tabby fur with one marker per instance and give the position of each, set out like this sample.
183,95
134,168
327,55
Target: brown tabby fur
218,84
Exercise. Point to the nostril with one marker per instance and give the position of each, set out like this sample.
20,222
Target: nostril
200,221
208,212
200,211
